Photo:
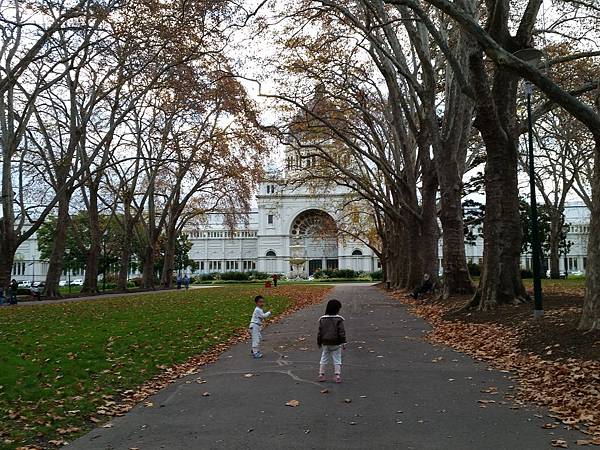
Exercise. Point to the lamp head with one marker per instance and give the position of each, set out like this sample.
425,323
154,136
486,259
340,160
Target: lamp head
530,55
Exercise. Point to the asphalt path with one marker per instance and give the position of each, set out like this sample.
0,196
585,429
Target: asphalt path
398,392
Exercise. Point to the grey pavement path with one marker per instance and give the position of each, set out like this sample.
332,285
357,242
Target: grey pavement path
405,394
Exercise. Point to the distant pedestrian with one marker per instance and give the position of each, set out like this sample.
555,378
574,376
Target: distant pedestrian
179,280
14,289
425,288
331,338
275,278
186,282
256,324
2,298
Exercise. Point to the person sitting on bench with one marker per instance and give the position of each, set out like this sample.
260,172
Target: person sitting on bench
426,287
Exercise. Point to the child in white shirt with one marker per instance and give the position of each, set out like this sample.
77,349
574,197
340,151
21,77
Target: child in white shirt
256,325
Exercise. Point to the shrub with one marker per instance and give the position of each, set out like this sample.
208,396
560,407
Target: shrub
377,275
234,276
345,273
526,273
206,277
136,282
474,269
319,274
336,273
255,275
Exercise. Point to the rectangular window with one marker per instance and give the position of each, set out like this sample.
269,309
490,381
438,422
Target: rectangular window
270,219
201,265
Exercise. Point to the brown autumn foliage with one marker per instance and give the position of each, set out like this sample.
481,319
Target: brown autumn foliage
551,370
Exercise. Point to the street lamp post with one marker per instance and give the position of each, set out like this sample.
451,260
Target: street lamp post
533,56
69,266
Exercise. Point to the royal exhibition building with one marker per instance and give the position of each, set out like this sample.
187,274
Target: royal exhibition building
278,237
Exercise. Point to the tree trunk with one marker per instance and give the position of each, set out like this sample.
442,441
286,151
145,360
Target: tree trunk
430,231
496,110
396,255
90,282
7,257
501,274
412,234
456,273
8,248
55,263
148,275
8,236
450,153
590,316
556,225
382,260
169,258
125,256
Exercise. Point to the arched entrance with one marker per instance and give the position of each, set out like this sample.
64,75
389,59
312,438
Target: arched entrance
314,243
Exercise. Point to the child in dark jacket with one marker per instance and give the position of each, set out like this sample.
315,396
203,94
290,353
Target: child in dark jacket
331,338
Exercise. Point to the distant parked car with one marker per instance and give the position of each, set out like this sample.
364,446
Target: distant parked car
37,290
38,283
63,283
24,284
77,282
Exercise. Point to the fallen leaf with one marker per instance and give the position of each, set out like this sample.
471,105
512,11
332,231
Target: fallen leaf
293,403
559,443
206,394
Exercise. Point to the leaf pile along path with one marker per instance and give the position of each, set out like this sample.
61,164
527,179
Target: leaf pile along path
568,387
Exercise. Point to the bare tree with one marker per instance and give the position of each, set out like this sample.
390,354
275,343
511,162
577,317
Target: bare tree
496,107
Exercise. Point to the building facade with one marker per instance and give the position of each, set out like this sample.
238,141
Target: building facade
292,232
574,262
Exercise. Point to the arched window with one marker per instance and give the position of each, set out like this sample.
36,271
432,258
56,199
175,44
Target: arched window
314,222
357,252
271,253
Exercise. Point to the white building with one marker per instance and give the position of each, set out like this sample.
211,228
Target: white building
577,220
292,232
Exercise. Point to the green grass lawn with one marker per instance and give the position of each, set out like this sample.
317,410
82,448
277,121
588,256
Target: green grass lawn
60,362
574,283
569,283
